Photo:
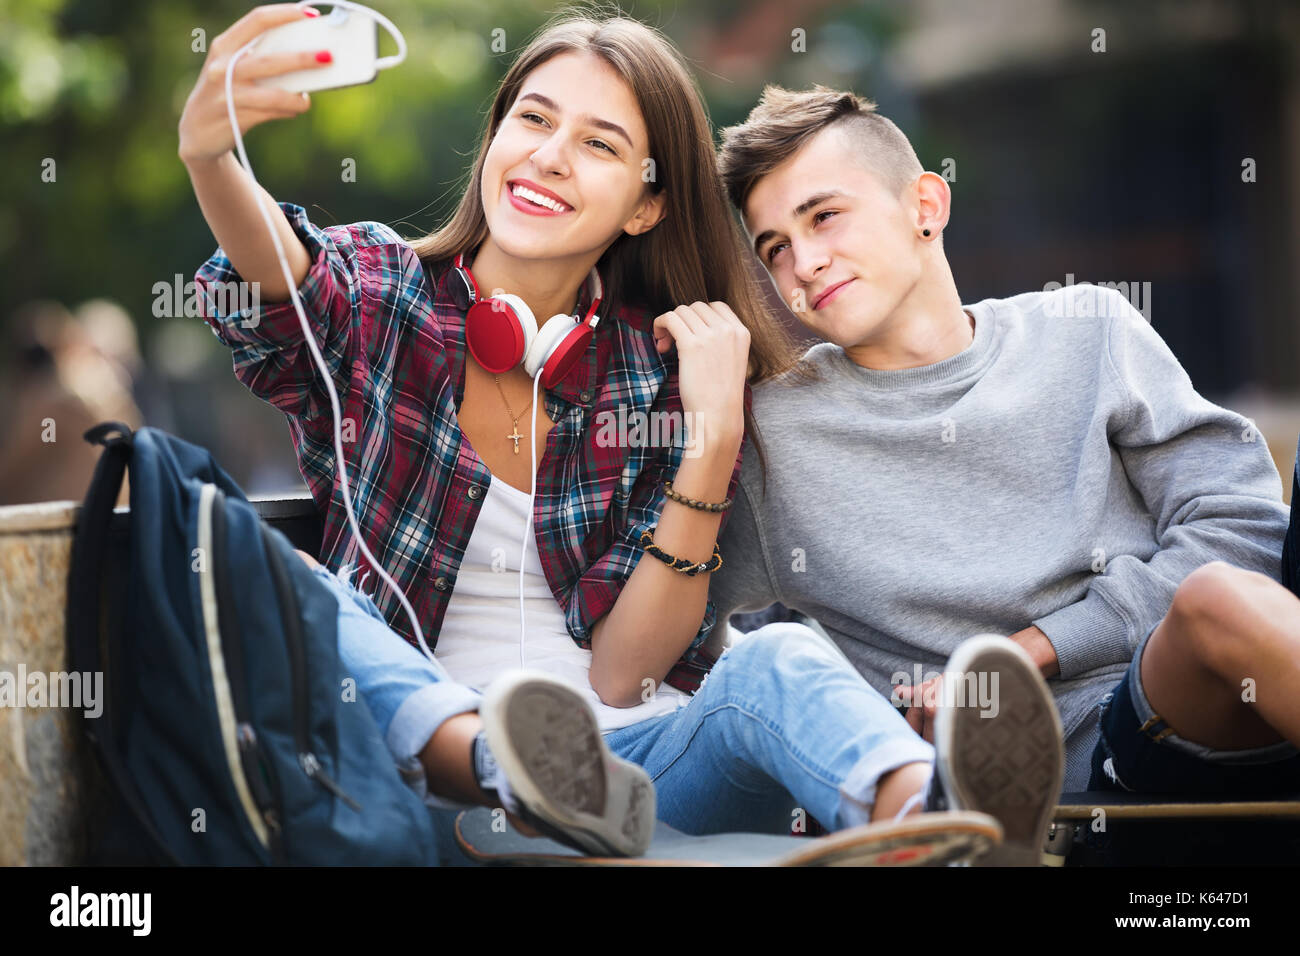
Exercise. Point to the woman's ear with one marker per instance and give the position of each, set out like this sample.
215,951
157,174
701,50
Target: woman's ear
651,213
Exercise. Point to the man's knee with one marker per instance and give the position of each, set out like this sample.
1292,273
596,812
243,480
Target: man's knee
1215,613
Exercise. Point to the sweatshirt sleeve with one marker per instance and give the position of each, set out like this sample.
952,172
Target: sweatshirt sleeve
1205,476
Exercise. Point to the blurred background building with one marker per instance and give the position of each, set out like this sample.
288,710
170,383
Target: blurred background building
1154,143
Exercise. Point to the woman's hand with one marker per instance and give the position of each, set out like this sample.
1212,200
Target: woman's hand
205,132
712,361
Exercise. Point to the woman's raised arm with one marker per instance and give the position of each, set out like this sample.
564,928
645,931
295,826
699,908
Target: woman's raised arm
226,193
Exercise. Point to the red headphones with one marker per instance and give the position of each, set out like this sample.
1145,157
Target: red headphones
501,331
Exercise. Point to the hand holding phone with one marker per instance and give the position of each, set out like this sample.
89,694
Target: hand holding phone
350,39
273,70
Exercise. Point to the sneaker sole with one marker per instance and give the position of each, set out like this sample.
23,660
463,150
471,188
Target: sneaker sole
1010,766
547,741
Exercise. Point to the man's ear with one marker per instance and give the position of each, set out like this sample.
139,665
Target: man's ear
653,211
933,202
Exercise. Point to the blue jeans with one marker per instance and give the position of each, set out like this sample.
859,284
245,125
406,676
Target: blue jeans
1138,751
782,728
783,725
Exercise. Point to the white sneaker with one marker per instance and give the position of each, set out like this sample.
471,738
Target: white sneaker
545,739
1009,764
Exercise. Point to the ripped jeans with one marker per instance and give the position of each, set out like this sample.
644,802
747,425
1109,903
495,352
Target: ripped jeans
782,728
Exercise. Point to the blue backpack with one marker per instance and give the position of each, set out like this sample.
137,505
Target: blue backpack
225,732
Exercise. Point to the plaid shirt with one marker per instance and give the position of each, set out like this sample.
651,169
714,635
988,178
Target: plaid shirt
393,337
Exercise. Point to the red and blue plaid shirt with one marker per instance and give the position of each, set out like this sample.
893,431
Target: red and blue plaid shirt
393,337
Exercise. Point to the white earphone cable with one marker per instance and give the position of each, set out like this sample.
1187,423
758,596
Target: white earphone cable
302,318
528,522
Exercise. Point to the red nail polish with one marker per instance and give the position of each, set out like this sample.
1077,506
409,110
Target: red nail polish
310,12
324,56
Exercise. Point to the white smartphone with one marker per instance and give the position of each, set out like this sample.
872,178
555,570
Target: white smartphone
351,38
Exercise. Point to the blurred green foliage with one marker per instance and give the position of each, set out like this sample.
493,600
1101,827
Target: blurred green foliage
91,93
98,90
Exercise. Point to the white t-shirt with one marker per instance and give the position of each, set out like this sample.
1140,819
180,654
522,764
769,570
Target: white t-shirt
480,637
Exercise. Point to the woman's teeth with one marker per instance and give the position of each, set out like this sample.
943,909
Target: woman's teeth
538,199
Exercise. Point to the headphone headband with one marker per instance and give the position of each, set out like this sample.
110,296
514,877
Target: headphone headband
473,294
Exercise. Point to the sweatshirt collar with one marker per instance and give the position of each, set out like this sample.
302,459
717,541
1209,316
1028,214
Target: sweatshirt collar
954,368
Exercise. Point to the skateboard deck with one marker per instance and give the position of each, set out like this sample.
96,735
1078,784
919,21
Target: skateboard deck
931,840
1157,806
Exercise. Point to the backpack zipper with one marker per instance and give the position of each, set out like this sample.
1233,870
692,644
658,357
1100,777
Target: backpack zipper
292,619
243,753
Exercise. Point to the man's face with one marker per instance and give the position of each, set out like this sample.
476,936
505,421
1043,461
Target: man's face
821,220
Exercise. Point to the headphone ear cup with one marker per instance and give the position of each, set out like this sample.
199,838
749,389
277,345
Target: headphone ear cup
558,358
499,332
527,324
544,343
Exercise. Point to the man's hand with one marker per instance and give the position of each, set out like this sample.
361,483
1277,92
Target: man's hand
925,699
1040,650
923,702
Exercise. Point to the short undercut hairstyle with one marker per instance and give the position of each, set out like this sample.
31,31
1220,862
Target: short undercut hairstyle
784,121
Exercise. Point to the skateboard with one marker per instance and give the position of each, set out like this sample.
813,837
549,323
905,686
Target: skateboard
1112,828
1084,807
930,840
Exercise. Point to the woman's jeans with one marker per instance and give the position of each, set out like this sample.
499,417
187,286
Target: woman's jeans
782,728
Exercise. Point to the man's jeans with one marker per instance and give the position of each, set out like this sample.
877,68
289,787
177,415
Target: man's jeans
1138,750
783,727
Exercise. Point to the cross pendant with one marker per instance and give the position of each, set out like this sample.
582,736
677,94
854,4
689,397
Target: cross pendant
515,436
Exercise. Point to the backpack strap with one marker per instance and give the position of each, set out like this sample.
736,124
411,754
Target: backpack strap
85,610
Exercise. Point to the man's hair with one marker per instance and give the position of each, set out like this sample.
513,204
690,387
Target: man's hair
784,121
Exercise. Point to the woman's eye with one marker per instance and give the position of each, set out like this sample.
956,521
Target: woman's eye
771,253
603,145
825,212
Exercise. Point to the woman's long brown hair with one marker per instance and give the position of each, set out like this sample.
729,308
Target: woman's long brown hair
697,253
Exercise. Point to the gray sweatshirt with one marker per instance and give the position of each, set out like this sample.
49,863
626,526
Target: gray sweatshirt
1061,471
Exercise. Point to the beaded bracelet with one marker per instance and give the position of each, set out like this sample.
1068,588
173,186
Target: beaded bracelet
695,503
689,568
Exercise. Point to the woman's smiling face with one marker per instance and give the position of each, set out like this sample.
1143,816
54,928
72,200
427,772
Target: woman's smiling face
574,135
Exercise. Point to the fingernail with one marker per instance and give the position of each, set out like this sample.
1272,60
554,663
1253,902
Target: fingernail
310,12
324,56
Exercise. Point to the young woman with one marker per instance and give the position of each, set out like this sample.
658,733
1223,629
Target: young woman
597,154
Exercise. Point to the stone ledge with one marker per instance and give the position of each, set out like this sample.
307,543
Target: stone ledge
51,788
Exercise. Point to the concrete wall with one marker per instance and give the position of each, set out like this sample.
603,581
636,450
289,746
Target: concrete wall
47,775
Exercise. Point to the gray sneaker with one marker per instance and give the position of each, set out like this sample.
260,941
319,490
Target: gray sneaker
1006,759
569,786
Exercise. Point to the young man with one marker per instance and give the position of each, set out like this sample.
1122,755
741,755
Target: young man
1038,466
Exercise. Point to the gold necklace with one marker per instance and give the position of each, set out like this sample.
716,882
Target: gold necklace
514,434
